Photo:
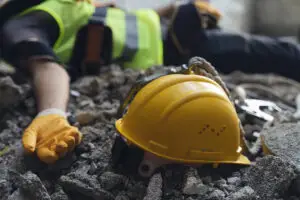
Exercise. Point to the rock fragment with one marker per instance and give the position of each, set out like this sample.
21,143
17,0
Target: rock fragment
4,189
84,184
270,177
31,184
110,180
245,193
90,85
234,181
193,184
11,94
122,197
283,140
59,194
216,195
154,189
18,195
85,117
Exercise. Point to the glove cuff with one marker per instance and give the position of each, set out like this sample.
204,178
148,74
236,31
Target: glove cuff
50,111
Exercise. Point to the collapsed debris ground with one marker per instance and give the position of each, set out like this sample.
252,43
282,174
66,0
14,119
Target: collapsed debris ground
87,174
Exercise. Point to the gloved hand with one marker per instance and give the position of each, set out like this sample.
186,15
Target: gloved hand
51,136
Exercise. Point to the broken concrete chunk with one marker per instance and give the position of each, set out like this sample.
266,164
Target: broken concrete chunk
216,195
90,85
18,195
193,184
11,94
32,184
234,181
270,176
245,193
110,180
283,140
154,189
85,184
59,194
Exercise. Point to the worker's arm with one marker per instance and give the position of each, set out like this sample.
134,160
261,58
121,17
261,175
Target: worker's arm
49,134
51,84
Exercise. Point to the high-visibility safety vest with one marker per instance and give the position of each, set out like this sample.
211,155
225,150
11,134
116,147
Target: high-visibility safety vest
136,35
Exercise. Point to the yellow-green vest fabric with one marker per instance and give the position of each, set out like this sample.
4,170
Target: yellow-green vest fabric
146,33
70,16
140,26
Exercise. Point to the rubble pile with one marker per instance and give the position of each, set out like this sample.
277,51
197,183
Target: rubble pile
87,173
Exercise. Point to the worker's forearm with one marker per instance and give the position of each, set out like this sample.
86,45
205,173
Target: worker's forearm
51,84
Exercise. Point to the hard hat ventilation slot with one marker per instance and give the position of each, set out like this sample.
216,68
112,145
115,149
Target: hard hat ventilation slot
206,126
213,130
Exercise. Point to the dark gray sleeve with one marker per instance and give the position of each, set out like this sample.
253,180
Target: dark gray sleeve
28,36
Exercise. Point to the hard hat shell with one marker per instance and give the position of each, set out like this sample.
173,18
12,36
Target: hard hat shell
184,118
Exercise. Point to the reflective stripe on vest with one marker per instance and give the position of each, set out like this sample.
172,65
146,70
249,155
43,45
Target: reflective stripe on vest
124,29
137,41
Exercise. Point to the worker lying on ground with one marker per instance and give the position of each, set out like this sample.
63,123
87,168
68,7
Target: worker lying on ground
58,39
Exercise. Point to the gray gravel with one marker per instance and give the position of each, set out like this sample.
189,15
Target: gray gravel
86,173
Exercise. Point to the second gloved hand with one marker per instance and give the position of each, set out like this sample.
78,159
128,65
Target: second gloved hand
51,136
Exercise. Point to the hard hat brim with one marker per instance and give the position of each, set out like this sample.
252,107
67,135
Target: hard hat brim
241,159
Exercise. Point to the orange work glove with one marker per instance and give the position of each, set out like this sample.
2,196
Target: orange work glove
51,136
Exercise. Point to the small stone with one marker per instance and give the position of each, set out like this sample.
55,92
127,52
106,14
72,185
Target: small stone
216,195
84,118
85,155
234,181
18,195
236,174
230,188
90,85
59,194
154,189
4,189
122,197
194,186
220,182
110,180
190,198
87,103
245,193
11,94
91,145
206,180
93,168
75,93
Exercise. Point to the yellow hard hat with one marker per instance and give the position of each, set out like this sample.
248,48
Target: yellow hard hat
184,118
